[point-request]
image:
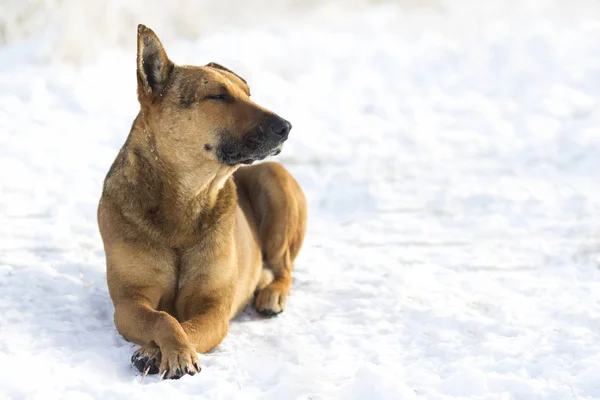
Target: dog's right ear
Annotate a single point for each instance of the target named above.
(153, 66)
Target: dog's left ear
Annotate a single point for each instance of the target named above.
(222, 68)
(153, 66)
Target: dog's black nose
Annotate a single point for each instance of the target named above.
(280, 127)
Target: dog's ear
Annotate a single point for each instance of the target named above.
(222, 68)
(153, 66)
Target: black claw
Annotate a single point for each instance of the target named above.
(177, 374)
(268, 312)
(197, 366)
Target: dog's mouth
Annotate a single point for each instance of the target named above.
(247, 151)
(250, 160)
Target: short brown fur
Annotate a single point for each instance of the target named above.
(190, 236)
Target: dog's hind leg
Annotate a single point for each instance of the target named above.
(279, 211)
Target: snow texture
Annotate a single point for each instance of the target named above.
(451, 158)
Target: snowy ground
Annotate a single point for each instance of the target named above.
(451, 158)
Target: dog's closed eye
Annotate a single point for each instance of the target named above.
(221, 97)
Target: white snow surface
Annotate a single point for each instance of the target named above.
(451, 159)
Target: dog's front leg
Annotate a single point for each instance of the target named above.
(208, 324)
(142, 280)
(206, 294)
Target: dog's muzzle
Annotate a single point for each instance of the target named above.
(265, 140)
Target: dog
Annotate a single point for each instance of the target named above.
(191, 232)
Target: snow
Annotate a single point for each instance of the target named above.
(449, 154)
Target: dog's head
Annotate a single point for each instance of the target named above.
(201, 114)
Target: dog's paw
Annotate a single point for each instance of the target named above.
(147, 359)
(179, 361)
(270, 301)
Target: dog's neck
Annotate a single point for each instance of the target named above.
(204, 184)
